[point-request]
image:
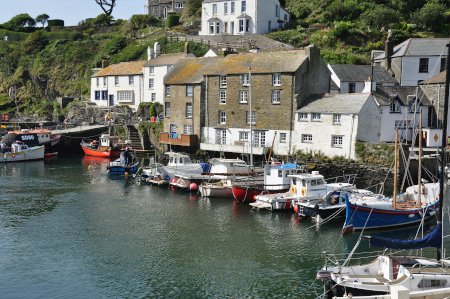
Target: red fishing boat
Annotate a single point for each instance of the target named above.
(107, 147)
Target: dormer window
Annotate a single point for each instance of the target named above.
(245, 79)
(394, 107)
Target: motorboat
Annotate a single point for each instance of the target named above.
(20, 151)
(34, 137)
(127, 164)
(107, 146)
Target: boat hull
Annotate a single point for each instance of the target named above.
(121, 170)
(336, 290)
(107, 153)
(249, 193)
(30, 154)
(215, 191)
(324, 213)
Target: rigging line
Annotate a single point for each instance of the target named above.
(329, 218)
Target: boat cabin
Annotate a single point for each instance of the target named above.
(18, 146)
(32, 137)
(276, 176)
(229, 167)
(107, 140)
(178, 159)
(307, 184)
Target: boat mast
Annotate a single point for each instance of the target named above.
(443, 147)
(420, 161)
(395, 168)
(250, 113)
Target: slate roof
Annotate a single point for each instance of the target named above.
(385, 94)
(189, 70)
(420, 47)
(260, 63)
(361, 73)
(167, 59)
(438, 79)
(337, 103)
(122, 69)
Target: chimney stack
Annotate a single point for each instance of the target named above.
(104, 63)
(157, 48)
(150, 53)
(388, 50)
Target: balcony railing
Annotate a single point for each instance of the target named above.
(178, 139)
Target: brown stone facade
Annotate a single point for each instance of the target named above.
(269, 115)
(179, 98)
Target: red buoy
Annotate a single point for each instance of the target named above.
(193, 187)
(296, 209)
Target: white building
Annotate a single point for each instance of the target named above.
(332, 124)
(155, 69)
(350, 78)
(414, 60)
(118, 84)
(242, 17)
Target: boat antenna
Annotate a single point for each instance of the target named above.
(443, 147)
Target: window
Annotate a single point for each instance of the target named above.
(104, 95)
(336, 118)
(423, 65)
(302, 116)
(125, 96)
(283, 137)
(211, 28)
(245, 79)
(187, 130)
(104, 82)
(214, 9)
(232, 7)
(394, 107)
(243, 6)
(223, 81)
(153, 96)
(167, 109)
(98, 82)
(247, 25)
(222, 96)
(443, 64)
(225, 8)
(306, 138)
(179, 5)
(189, 90)
(276, 96)
(251, 116)
(276, 79)
(243, 96)
(259, 138)
(432, 283)
(280, 173)
(152, 70)
(277, 11)
(241, 25)
(221, 136)
(168, 91)
(243, 136)
(336, 141)
(315, 116)
(97, 95)
(188, 110)
(222, 117)
(285, 17)
(116, 80)
(130, 80)
(151, 83)
(217, 27)
(351, 87)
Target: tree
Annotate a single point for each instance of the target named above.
(42, 19)
(431, 16)
(379, 16)
(106, 5)
(19, 22)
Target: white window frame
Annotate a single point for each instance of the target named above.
(337, 118)
(225, 8)
(251, 115)
(394, 107)
(188, 110)
(214, 9)
(232, 7)
(125, 96)
(221, 136)
(307, 138)
(131, 80)
(153, 97)
(222, 96)
(243, 96)
(222, 117)
(243, 6)
(189, 90)
(98, 82)
(243, 136)
(283, 137)
(337, 141)
(116, 80)
(179, 5)
(167, 90)
(187, 130)
(104, 81)
(276, 79)
(223, 81)
(167, 109)
(152, 70)
(241, 25)
(276, 96)
(245, 79)
(302, 116)
(259, 138)
(151, 83)
(315, 116)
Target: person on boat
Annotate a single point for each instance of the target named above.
(3, 147)
(125, 157)
(93, 144)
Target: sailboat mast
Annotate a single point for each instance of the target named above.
(250, 113)
(395, 168)
(443, 147)
(419, 181)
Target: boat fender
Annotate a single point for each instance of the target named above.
(293, 190)
(303, 192)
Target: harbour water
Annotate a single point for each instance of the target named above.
(67, 230)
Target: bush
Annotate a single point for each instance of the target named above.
(295, 37)
(143, 21)
(20, 23)
(35, 42)
(172, 20)
(431, 16)
(379, 16)
(55, 23)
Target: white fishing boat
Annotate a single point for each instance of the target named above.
(155, 174)
(182, 163)
(19, 151)
(221, 188)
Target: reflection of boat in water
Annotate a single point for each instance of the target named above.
(88, 161)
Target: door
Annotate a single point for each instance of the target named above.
(232, 28)
(111, 100)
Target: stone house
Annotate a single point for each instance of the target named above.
(155, 69)
(350, 78)
(161, 8)
(413, 60)
(242, 17)
(118, 84)
(184, 103)
(258, 93)
(333, 123)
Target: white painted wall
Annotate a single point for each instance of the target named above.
(410, 69)
(100, 87)
(208, 141)
(159, 73)
(322, 132)
(387, 130)
(369, 122)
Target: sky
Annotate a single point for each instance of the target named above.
(71, 11)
